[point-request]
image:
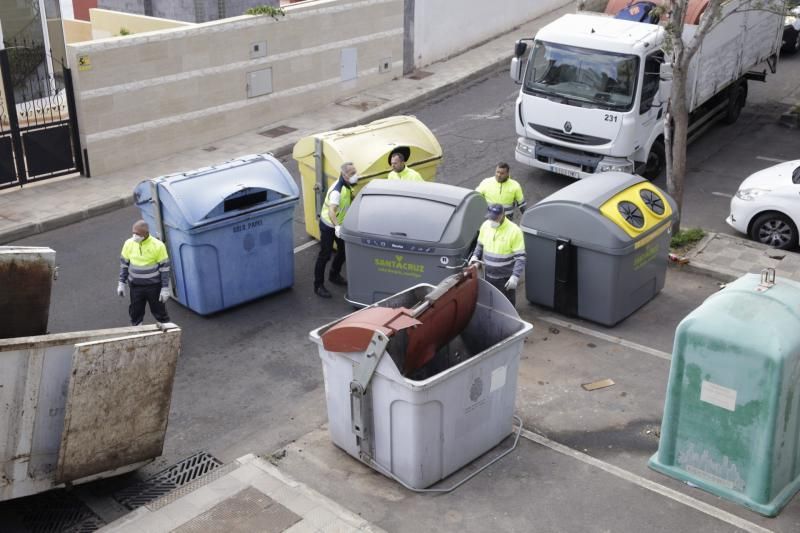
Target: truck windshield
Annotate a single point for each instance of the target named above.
(580, 76)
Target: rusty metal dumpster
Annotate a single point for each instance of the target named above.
(26, 276)
(80, 406)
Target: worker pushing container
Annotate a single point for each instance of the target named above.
(731, 422)
(228, 230)
(598, 248)
(398, 234)
(422, 383)
(370, 147)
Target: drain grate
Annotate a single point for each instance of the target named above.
(419, 74)
(167, 480)
(56, 512)
(277, 131)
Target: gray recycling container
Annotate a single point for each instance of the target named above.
(597, 249)
(423, 431)
(228, 230)
(400, 233)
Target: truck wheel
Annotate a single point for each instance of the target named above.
(736, 99)
(792, 44)
(656, 161)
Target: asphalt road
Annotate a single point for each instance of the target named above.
(249, 380)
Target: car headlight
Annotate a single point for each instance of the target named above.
(615, 165)
(750, 194)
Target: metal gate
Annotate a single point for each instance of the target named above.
(38, 122)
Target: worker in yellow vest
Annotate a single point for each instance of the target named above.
(337, 201)
(504, 190)
(501, 247)
(399, 169)
(144, 269)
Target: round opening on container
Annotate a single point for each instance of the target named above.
(653, 201)
(631, 214)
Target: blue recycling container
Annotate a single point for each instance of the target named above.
(228, 230)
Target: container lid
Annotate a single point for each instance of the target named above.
(765, 321)
(609, 212)
(368, 146)
(415, 211)
(213, 193)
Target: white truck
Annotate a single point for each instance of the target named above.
(594, 87)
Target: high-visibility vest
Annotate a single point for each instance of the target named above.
(144, 263)
(407, 174)
(506, 194)
(345, 199)
(502, 249)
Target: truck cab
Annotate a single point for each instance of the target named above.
(589, 100)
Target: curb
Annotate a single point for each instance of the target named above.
(106, 206)
(34, 228)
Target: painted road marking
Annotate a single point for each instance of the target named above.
(723, 194)
(610, 338)
(305, 246)
(645, 483)
(772, 159)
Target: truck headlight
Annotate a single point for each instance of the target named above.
(749, 195)
(525, 148)
(615, 165)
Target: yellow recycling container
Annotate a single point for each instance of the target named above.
(369, 147)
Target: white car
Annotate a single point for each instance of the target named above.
(767, 206)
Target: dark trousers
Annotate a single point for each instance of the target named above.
(146, 294)
(327, 236)
(500, 285)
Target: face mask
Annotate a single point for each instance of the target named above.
(353, 179)
(137, 238)
(494, 224)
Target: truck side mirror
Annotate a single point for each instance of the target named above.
(519, 48)
(516, 69)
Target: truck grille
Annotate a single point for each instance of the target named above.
(575, 138)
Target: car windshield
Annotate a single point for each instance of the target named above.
(584, 77)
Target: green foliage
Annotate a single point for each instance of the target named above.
(124, 31)
(686, 237)
(272, 11)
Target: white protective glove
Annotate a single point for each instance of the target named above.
(121, 289)
(474, 259)
(163, 296)
(337, 230)
(512, 282)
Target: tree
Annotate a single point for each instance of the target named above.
(676, 123)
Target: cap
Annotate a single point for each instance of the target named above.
(494, 211)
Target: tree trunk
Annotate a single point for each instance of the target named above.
(679, 125)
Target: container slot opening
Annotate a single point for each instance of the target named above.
(244, 201)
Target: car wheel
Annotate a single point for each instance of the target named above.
(656, 161)
(792, 44)
(774, 229)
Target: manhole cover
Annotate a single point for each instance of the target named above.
(277, 131)
(167, 480)
(419, 74)
(56, 512)
(362, 102)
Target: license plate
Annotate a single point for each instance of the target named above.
(564, 171)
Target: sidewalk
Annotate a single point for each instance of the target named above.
(51, 204)
(726, 258)
(248, 495)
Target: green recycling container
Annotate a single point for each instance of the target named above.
(731, 421)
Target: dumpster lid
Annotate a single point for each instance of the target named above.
(590, 212)
(368, 146)
(210, 193)
(416, 211)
